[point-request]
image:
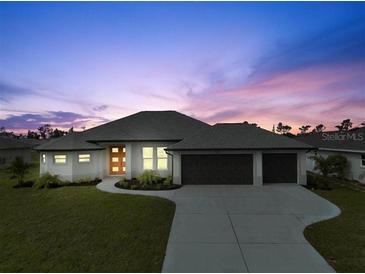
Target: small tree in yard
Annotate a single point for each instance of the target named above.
(334, 164)
(18, 169)
(321, 164)
(338, 164)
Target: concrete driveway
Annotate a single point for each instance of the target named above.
(241, 228)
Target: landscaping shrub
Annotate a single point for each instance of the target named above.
(167, 181)
(24, 184)
(321, 164)
(151, 181)
(317, 181)
(48, 180)
(149, 177)
(18, 168)
(338, 164)
(332, 165)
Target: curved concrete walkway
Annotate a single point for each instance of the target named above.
(241, 228)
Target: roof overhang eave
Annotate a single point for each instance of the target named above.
(250, 149)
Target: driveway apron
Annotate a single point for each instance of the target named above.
(230, 228)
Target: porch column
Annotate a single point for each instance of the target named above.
(177, 168)
(302, 168)
(257, 169)
(128, 161)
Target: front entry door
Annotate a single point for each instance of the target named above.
(117, 160)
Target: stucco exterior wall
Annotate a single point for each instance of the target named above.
(99, 164)
(72, 170)
(137, 160)
(257, 163)
(134, 159)
(354, 170)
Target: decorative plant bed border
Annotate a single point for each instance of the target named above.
(134, 184)
(29, 184)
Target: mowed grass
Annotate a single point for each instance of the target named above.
(80, 229)
(341, 241)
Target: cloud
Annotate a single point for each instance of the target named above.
(59, 119)
(319, 94)
(340, 44)
(9, 91)
(100, 108)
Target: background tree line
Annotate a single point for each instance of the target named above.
(43, 132)
(46, 131)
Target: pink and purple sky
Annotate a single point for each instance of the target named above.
(82, 64)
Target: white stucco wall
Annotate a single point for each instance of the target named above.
(257, 163)
(134, 160)
(354, 170)
(99, 164)
(72, 170)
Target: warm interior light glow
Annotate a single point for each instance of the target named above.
(84, 158)
(60, 159)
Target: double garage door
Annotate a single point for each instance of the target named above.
(236, 169)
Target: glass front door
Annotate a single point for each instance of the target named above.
(117, 160)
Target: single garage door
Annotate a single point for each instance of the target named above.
(217, 169)
(279, 168)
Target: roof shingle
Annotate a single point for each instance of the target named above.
(237, 136)
(338, 141)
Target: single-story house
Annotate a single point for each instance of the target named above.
(350, 144)
(171, 143)
(12, 147)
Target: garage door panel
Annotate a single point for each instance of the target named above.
(279, 168)
(217, 169)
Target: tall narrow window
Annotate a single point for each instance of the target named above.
(363, 160)
(147, 154)
(161, 158)
(84, 158)
(43, 158)
(60, 159)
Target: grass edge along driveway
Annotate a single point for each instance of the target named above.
(81, 229)
(341, 240)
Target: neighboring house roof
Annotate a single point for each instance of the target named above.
(141, 126)
(34, 142)
(237, 136)
(71, 141)
(147, 126)
(353, 140)
(13, 143)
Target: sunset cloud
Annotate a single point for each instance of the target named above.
(299, 63)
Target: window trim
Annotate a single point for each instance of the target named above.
(162, 158)
(78, 158)
(55, 162)
(362, 160)
(145, 158)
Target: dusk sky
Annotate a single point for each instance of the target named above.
(82, 64)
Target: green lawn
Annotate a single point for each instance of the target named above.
(342, 240)
(80, 229)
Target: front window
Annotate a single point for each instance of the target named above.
(161, 158)
(115, 149)
(84, 158)
(363, 160)
(60, 159)
(43, 158)
(147, 154)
